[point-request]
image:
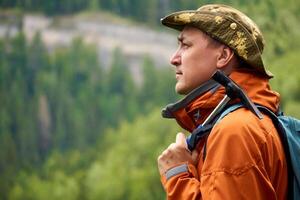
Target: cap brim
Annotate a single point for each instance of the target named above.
(178, 20)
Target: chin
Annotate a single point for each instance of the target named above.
(180, 89)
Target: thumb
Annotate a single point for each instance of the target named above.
(181, 140)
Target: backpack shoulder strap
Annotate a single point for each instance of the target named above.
(229, 110)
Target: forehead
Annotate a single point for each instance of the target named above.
(189, 32)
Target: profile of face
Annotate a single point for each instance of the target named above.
(195, 59)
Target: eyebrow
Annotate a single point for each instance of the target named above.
(180, 38)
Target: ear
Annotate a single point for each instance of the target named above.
(224, 57)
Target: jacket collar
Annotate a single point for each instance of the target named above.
(193, 109)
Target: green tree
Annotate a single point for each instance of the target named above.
(129, 163)
(157, 88)
(120, 91)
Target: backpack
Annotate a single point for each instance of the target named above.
(289, 132)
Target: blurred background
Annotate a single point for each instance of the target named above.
(82, 83)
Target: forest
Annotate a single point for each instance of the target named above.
(72, 129)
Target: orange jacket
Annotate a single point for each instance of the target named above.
(244, 156)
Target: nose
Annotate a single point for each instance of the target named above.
(175, 59)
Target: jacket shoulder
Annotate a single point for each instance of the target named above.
(243, 121)
(237, 141)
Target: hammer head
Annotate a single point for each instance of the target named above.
(234, 91)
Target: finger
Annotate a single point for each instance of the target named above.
(171, 146)
(181, 140)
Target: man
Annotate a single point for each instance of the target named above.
(242, 158)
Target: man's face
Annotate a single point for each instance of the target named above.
(195, 59)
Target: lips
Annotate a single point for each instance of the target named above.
(178, 74)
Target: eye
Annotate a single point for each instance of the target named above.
(184, 45)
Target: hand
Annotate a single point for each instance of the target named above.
(176, 154)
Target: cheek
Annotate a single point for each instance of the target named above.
(190, 67)
(198, 71)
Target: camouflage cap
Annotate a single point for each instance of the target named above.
(227, 25)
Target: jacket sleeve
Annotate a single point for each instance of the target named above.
(184, 185)
(233, 166)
